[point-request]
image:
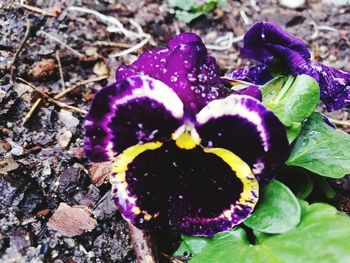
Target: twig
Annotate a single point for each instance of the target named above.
(114, 25)
(79, 84)
(327, 28)
(57, 103)
(225, 42)
(339, 122)
(318, 28)
(142, 243)
(58, 96)
(26, 36)
(48, 12)
(31, 110)
(315, 27)
(62, 43)
(254, 5)
(177, 27)
(138, 27)
(60, 69)
(130, 50)
(112, 44)
(244, 16)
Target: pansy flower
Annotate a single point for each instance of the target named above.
(268, 44)
(185, 152)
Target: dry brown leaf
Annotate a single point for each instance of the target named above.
(7, 165)
(71, 221)
(43, 69)
(101, 69)
(99, 172)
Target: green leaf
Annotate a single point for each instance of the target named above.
(298, 180)
(321, 149)
(293, 131)
(191, 245)
(324, 186)
(292, 99)
(305, 187)
(187, 17)
(323, 235)
(188, 10)
(277, 211)
(186, 5)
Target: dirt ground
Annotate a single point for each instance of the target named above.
(49, 51)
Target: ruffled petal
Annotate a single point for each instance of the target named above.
(257, 75)
(252, 91)
(150, 63)
(266, 41)
(186, 67)
(335, 86)
(244, 126)
(131, 111)
(199, 191)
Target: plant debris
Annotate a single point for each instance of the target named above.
(71, 221)
(44, 68)
(8, 165)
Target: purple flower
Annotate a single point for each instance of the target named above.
(268, 44)
(185, 153)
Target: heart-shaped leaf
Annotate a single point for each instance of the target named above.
(298, 180)
(277, 211)
(323, 235)
(292, 99)
(321, 149)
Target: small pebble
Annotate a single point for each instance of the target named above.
(292, 4)
(64, 138)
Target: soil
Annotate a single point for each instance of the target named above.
(42, 164)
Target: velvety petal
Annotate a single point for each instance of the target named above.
(244, 126)
(266, 41)
(257, 75)
(136, 110)
(252, 91)
(151, 63)
(335, 86)
(199, 191)
(186, 67)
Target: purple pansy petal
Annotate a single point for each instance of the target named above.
(137, 187)
(257, 75)
(200, 192)
(252, 91)
(219, 193)
(244, 126)
(150, 63)
(265, 42)
(131, 111)
(335, 86)
(182, 39)
(186, 67)
(153, 62)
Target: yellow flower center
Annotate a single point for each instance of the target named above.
(186, 137)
